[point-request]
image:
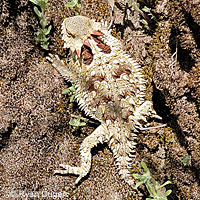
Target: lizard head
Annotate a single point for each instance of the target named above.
(76, 30)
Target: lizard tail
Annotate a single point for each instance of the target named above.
(123, 151)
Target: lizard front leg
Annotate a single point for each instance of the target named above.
(100, 135)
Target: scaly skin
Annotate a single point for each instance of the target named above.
(110, 88)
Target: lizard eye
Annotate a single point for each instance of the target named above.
(70, 35)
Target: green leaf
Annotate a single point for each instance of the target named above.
(144, 166)
(39, 33)
(43, 23)
(79, 118)
(37, 38)
(71, 92)
(186, 159)
(45, 46)
(36, 2)
(45, 39)
(70, 4)
(137, 176)
(82, 124)
(151, 189)
(168, 193)
(72, 88)
(146, 9)
(47, 30)
(43, 4)
(144, 22)
(78, 5)
(163, 185)
(38, 13)
(76, 122)
(138, 184)
(72, 99)
(65, 91)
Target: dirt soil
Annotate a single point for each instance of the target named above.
(35, 135)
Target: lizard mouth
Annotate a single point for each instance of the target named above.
(86, 55)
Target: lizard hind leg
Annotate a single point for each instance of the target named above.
(98, 136)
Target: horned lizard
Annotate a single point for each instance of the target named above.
(111, 88)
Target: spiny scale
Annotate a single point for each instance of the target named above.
(110, 88)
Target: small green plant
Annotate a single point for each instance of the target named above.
(74, 3)
(146, 14)
(41, 35)
(151, 184)
(186, 160)
(76, 123)
(71, 92)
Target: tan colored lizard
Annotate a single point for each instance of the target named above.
(111, 88)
